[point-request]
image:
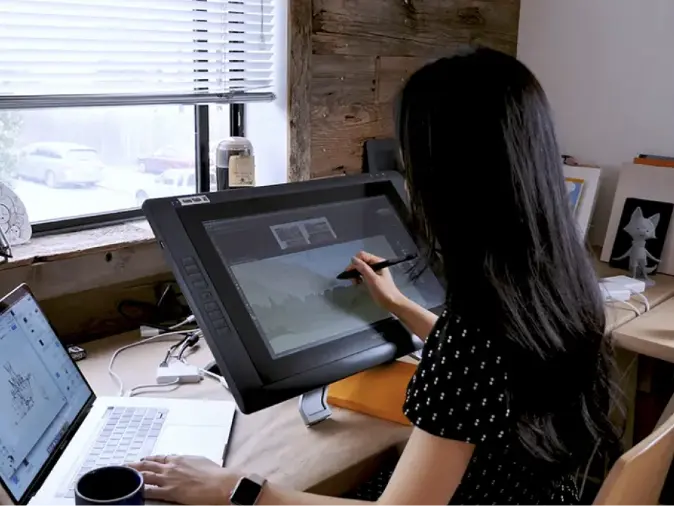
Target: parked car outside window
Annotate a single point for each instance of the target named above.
(60, 164)
(170, 183)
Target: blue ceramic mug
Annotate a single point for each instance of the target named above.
(110, 485)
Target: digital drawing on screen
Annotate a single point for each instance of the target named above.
(297, 300)
(303, 233)
(28, 389)
(20, 391)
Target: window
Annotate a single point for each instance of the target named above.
(99, 98)
(87, 161)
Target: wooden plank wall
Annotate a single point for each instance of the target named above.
(362, 51)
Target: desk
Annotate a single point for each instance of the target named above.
(618, 315)
(651, 334)
(273, 443)
(333, 455)
(647, 335)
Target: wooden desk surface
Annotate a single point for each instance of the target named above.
(618, 315)
(651, 334)
(273, 443)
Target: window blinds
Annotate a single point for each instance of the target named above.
(119, 52)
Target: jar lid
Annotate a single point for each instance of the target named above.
(235, 142)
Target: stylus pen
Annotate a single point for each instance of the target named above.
(353, 273)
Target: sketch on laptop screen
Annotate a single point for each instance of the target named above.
(41, 393)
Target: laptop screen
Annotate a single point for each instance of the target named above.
(41, 392)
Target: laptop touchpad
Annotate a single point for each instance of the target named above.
(206, 442)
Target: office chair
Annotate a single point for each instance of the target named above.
(639, 475)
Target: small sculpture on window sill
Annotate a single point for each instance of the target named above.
(15, 226)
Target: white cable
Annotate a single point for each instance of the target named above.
(186, 321)
(626, 304)
(153, 388)
(214, 376)
(114, 375)
(587, 469)
(596, 446)
(628, 369)
(642, 298)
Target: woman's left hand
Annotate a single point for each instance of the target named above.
(185, 480)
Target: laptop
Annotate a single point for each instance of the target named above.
(53, 428)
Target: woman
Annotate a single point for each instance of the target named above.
(511, 396)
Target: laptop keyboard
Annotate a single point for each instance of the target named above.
(128, 435)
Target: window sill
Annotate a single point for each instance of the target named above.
(74, 262)
(56, 247)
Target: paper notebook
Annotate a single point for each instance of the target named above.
(378, 392)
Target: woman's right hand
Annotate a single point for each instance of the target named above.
(380, 284)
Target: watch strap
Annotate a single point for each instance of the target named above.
(256, 478)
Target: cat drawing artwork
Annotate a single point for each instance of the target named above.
(641, 229)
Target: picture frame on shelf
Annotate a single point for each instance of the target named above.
(583, 189)
(641, 236)
(574, 189)
(647, 183)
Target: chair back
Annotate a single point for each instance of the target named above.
(639, 475)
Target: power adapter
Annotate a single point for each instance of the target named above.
(631, 284)
(614, 291)
(178, 372)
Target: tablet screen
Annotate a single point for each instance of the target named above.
(285, 266)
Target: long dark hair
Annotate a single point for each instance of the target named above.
(486, 185)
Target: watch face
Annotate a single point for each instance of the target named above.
(246, 492)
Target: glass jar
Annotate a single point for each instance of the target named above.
(232, 146)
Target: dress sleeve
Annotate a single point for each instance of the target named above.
(459, 390)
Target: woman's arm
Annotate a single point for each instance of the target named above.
(418, 320)
(429, 471)
(386, 294)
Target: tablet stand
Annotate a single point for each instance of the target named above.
(213, 367)
(313, 405)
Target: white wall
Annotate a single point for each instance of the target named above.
(608, 69)
(267, 123)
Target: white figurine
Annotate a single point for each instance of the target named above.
(640, 230)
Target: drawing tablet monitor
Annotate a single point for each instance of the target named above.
(259, 269)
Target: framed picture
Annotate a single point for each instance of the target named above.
(574, 188)
(582, 193)
(641, 236)
(648, 183)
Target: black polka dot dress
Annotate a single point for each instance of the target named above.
(460, 392)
